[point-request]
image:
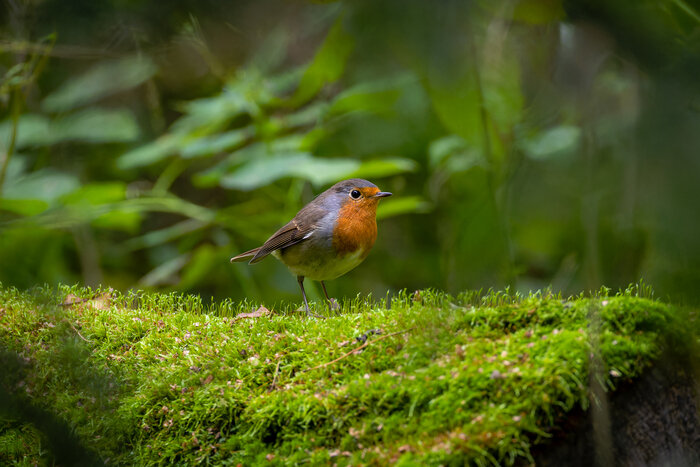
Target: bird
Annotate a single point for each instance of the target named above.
(328, 237)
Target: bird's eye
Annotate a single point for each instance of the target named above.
(354, 194)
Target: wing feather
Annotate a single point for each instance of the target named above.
(295, 231)
(289, 235)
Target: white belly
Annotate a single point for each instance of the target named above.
(316, 264)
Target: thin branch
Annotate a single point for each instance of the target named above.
(273, 386)
(357, 349)
(76, 331)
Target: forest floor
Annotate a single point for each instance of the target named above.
(97, 376)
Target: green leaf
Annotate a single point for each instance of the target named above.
(500, 82)
(103, 80)
(214, 144)
(458, 107)
(32, 130)
(23, 207)
(46, 185)
(454, 154)
(263, 171)
(203, 261)
(166, 272)
(539, 11)
(164, 235)
(152, 152)
(96, 193)
(384, 167)
(95, 126)
(90, 126)
(444, 147)
(119, 219)
(285, 145)
(327, 65)
(555, 142)
(245, 94)
(170, 204)
(374, 98)
(402, 205)
(323, 171)
(308, 115)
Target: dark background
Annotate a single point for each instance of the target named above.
(528, 143)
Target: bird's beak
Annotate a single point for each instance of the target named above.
(382, 194)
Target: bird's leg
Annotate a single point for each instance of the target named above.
(332, 302)
(300, 280)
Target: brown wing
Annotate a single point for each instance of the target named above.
(295, 231)
(245, 256)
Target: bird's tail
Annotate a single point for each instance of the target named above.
(245, 256)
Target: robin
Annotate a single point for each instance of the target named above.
(328, 237)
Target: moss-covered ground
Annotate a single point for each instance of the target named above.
(424, 378)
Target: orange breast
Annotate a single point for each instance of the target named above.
(356, 228)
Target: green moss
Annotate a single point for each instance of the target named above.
(161, 379)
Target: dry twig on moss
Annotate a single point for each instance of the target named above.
(357, 349)
(273, 386)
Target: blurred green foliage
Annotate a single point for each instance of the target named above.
(529, 143)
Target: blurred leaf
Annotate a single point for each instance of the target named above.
(308, 115)
(96, 193)
(293, 143)
(204, 259)
(262, 171)
(152, 152)
(384, 167)
(158, 237)
(171, 204)
(214, 144)
(402, 205)
(106, 193)
(324, 171)
(32, 256)
(554, 142)
(23, 207)
(539, 11)
(374, 98)
(46, 185)
(118, 219)
(454, 154)
(444, 147)
(165, 273)
(465, 160)
(500, 83)
(285, 82)
(71, 215)
(104, 79)
(458, 107)
(272, 51)
(32, 130)
(91, 125)
(17, 166)
(244, 94)
(212, 176)
(327, 65)
(95, 126)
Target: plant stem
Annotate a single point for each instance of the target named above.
(13, 136)
(494, 175)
